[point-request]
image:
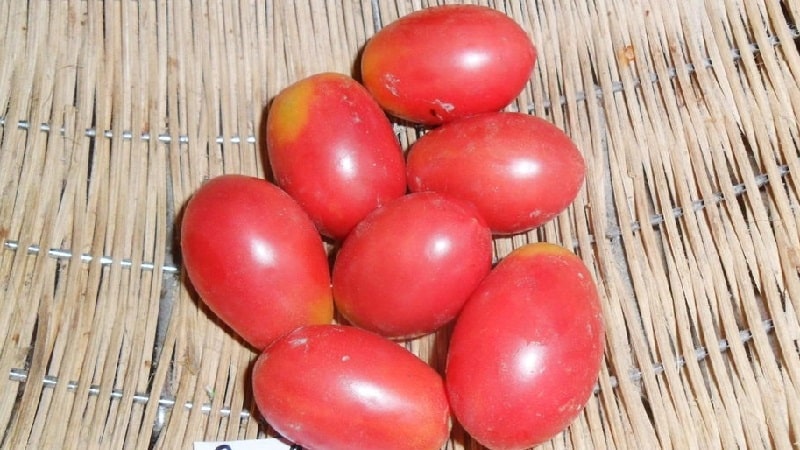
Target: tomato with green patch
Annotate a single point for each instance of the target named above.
(332, 148)
(526, 350)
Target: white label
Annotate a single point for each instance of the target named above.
(251, 444)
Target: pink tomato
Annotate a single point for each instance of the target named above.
(450, 61)
(408, 268)
(520, 171)
(526, 350)
(255, 258)
(341, 388)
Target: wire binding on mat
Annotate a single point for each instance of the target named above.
(616, 87)
(701, 353)
(49, 381)
(655, 220)
(164, 403)
(127, 135)
(59, 253)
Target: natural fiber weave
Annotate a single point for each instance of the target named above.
(113, 113)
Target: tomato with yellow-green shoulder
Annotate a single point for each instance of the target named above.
(333, 149)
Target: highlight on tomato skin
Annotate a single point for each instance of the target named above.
(342, 388)
(520, 171)
(333, 149)
(443, 62)
(255, 258)
(526, 350)
(408, 267)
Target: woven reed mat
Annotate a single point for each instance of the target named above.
(112, 114)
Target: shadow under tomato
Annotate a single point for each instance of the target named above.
(262, 141)
(437, 359)
(250, 406)
(355, 67)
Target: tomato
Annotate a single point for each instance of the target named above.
(450, 61)
(519, 170)
(339, 387)
(526, 350)
(408, 268)
(332, 148)
(255, 258)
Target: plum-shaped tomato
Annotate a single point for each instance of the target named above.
(520, 171)
(448, 61)
(408, 268)
(526, 350)
(332, 148)
(332, 387)
(255, 258)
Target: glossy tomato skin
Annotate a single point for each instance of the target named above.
(526, 350)
(332, 148)
(255, 258)
(520, 171)
(408, 268)
(332, 387)
(450, 61)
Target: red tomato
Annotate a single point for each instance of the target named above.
(408, 268)
(255, 258)
(444, 62)
(519, 170)
(338, 387)
(526, 350)
(332, 148)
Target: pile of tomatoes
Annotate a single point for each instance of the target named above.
(413, 239)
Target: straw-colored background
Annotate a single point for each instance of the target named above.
(112, 114)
